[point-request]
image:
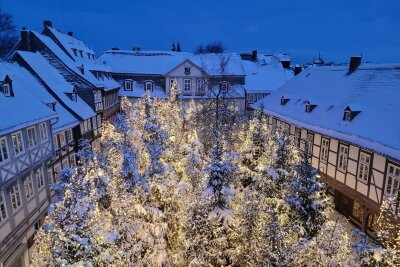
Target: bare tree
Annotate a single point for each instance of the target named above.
(215, 47)
(8, 33)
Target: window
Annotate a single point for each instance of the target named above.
(75, 52)
(15, 196)
(363, 167)
(17, 142)
(62, 139)
(99, 121)
(39, 177)
(149, 86)
(274, 123)
(3, 150)
(55, 141)
(69, 135)
(309, 143)
(82, 127)
(224, 87)
(128, 85)
(94, 122)
(173, 84)
(3, 210)
(392, 180)
(187, 85)
(6, 89)
(65, 163)
(28, 185)
(32, 142)
(72, 160)
(57, 169)
(297, 137)
(251, 98)
(98, 100)
(347, 115)
(43, 132)
(324, 150)
(88, 55)
(343, 155)
(81, 53)
(89, 124)
(50, 173)
(201, 88)
(73, 97)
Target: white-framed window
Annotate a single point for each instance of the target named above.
(72, 160)
(98, 121)
(309, 143)
(148, 86)
(201, 85)
(6, 89)
(43, 132)
(28, 186)
(68, 133)
(32, 141)
(65, 163)
(82, 127)
(251, 98)
(3, 150)
(347, 115)
(89, 124)
(75, 52)
(18, 143)
(342, 159)
(128, 85)
(55, 141)
(73, 97)
(3, 209)
(392, 180)
(15, 196)
(50, 174)
(98, 100)
(324, 150)
(187, 85)
(62, 139)
(57, 170)
(364, 166)
(224, 87)
(39, 177)
(94, 122)
(173, 84)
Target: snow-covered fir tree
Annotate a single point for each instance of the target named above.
(307, 198)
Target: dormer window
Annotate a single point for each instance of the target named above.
(284, 100)
(5, 88)
(88, 55)
(75, 52)
(74, 96)
(81, 53)
(82, 69)
(128, 85)
(309, 106)
(349, 114)
(223, 86)
(52, 106)
(148, 86)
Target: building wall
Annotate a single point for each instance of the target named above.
(18, 227)
(358, 199)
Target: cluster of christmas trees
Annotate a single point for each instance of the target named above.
(177, 186)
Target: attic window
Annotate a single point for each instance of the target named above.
(88, 55)
(309, 107)
(82, 69)
(75, 53)
(74, 95)
(284, 100)
(52, 106)
(5, 88)
(223, 87)
(128, 85)
(149, 86)
(349, 114)
(81, 53)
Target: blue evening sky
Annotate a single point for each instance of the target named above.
(337, 29)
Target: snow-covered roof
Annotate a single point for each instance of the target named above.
(266, 74)
(57, 83)
(161, 62)
(374, 90)
(108, 83)
(21, 110)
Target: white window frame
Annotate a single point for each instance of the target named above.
(62, 139)
(50, 174)
(364, 166)
(148, 86)
(4, 153)
(15, 196)
(6, 89)
(32, 138)
(343, 156)
(201, 85)
(392, 180)
(69, 137)
(43, 132)
(187, 85)
(173, 83)
(39, 177)
(347, 115)
(18, 140)
(310, 142)
(28, 187)
(128, 85)
(72, 160)
(65, 163)
(324, 150)
(297, 137)
(3, 208)
(57, 170)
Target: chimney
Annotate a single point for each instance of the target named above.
(47, 23)
(70, 33)
(354, 63)
(254, 55)
(297, 69)
(25, 40)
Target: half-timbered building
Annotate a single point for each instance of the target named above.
(25, 147)
(348, 117)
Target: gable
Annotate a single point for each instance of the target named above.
(182, 68)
